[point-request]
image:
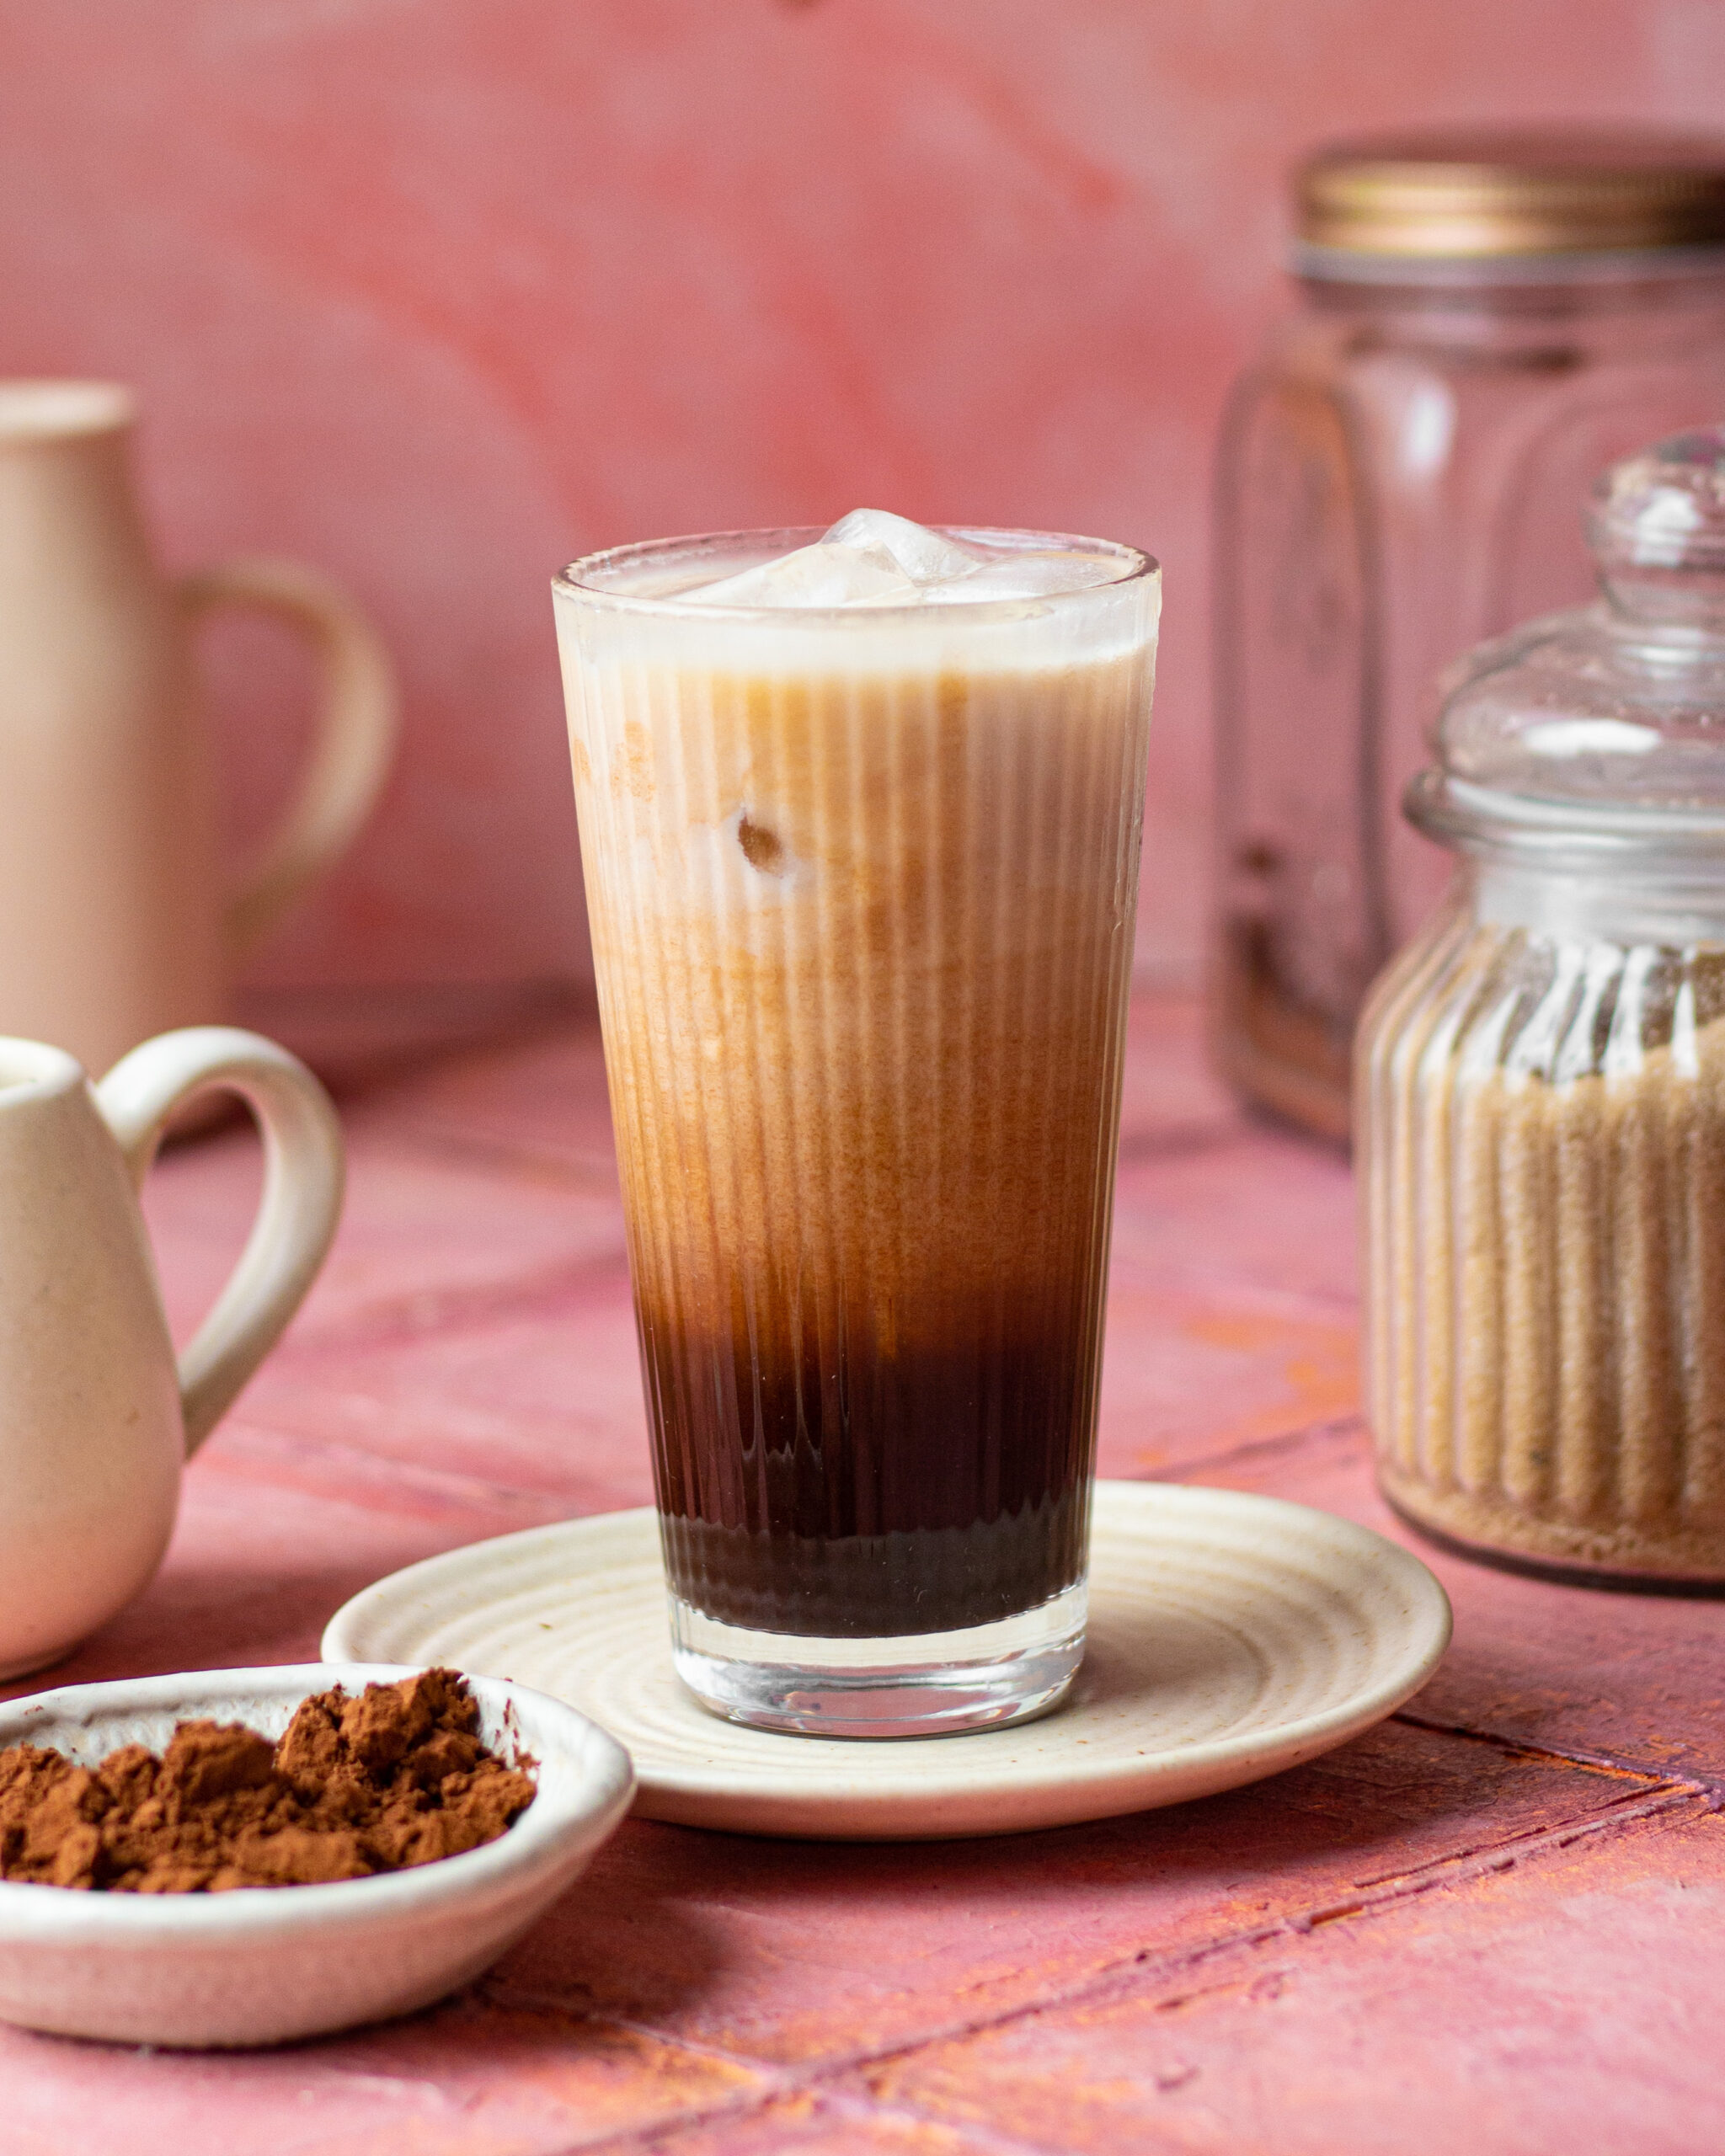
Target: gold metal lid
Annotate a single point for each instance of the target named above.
(1480, 193)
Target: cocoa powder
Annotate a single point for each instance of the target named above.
(396, 1777)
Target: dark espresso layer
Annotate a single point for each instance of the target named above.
(869, 1490)
(931, 1579)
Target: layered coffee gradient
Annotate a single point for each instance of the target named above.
(861, 867)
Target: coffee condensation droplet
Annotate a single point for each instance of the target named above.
(764, 847)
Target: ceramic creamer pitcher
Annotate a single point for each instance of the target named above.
(95, 1419)
(114, 925)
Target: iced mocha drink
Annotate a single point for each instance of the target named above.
(860, 822)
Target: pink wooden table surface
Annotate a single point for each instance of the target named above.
(1495, 1923)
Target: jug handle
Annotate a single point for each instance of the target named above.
(303, 1179)
(356, 724)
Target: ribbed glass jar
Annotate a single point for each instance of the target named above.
(1539, 1077)
(1542, 1100)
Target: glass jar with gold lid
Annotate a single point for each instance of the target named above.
(1486, 320)
(1541, 1075)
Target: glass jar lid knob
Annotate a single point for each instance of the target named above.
(1598, 734)
(1656, 527)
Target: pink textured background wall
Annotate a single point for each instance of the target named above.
(441, 292)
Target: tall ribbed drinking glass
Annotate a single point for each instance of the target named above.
(861, 883)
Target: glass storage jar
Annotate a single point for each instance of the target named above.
(1541, 1076)
(1486, 322)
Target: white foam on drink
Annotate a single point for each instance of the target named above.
(873, 558)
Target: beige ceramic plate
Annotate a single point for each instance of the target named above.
(1231, 1636)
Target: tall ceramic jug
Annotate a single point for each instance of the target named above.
(114, 925)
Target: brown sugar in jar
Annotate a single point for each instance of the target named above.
(1545, 1173)
(393, 1778)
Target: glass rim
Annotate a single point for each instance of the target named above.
(1140, 569)
(1313, 263)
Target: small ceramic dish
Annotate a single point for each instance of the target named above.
(263, 1965)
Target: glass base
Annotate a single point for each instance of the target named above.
(919, 1684)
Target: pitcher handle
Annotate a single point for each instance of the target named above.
(303, 1178)
(357, 714)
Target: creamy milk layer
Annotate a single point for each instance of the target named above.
(862, 930)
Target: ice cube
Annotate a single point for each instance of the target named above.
(813, 576)
(924, 555)
(873, 558)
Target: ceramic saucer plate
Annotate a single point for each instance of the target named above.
(1231, 1636)
(262, 1964)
